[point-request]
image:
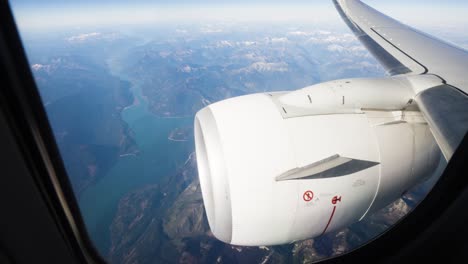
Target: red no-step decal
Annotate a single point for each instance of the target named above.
(308, 195)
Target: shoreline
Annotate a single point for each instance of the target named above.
(128, 154)
(177, 140)
(171, 117)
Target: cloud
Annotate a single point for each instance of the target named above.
(253, 56)
(317, 33)
(341, 48)
(211, 30)
(357, 48)
(247, 43)
(38, 66)
(84, 37)
(333, 38)
(224, 44)
(336, 48)
(299, 33)
(47, 68)
(367, 64)
(265, 67)
(279, 40)
(323, 32)
(165, 54)
(186, 69)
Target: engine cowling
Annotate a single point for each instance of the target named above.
(280, 167)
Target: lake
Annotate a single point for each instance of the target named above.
(159, 157)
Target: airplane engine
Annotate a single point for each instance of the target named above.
(275, 168)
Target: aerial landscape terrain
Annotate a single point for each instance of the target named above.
(121, 103)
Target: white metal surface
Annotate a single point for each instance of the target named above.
(394, 43)
(244, 144)
(418, 51)
(349, 96)
(364, 141)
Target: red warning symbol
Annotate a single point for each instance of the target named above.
(336, 199)
(308, 195)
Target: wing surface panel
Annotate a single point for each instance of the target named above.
(405, 50)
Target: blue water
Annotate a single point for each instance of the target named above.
(158, 158)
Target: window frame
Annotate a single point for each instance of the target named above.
(21, 102)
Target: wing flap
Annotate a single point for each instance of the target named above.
(445, 109)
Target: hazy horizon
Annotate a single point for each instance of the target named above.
(52, 14)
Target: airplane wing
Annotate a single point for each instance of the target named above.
(404, 50)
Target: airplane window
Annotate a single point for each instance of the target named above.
(163, 175)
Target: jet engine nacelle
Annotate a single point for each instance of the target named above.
(281, 167)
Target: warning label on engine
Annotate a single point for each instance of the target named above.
(336, 199)
(308, 196)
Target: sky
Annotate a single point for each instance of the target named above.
(46, 14)
(35, 2)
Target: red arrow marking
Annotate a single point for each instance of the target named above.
(308, 195)
(329, 220)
